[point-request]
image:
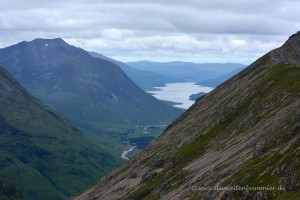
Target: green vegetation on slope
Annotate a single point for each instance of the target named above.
(42, 154)
(8, 190)
(278, 167)
(277, 164)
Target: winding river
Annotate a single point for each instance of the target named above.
(126, 152)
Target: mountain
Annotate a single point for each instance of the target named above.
(187, 71)
(92, 92)
(145, 79)
(42, 155)
(245, 133)
(217, 81)
(194, 97)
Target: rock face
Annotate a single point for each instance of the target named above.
(289, 53)
(244, 133)
(42, 155)
(91, 92)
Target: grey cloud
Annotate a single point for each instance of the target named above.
(180, 29)
(231, 16)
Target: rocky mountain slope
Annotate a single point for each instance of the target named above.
(42, 155)
(91, 92)
(244, 133)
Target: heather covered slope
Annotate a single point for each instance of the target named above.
(246, 132)
(91, 92)
(42, 155)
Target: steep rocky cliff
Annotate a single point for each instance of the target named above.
(244, 133)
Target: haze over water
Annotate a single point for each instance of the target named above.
(179, 93)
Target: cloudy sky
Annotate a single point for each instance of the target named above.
(159, 30)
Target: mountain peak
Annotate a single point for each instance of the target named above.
(293, 40)
(296, 35)
(48, 42)
(288, 53)
(42, 42)
(44, 39)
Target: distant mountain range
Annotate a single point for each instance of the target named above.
(92, 92)
(148, 74)
(187, 71)
(240, 141)
(42, 155)
(220, 79)
(145, 79)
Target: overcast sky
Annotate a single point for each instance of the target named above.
(159, 30)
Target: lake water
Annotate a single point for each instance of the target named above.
(179, 93)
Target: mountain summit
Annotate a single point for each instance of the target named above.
(289, 52)
(245, 133)
(92, 92)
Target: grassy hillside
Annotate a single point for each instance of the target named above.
(245, 133)
(41, 153)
